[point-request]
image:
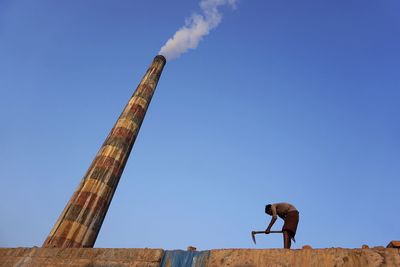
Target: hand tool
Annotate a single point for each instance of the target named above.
(253, 234)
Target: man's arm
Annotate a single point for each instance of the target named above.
(273, 219)
(270, 225)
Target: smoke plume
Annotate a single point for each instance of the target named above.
(195, 28)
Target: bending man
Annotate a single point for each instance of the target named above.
(289, 214)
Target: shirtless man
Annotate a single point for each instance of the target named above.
(289, 214)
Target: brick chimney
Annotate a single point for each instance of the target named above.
(80, 222)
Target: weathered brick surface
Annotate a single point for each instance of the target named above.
(394, 244)
(97, 257)
(304, 257)
(80, 257)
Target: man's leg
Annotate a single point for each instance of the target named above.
(287, 242)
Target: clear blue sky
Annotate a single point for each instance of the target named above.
(291, 100)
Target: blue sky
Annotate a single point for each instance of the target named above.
(292, 100)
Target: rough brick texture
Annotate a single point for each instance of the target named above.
(80, 257)
(304, 257)
(101, 257)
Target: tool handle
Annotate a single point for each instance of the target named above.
(271, 232)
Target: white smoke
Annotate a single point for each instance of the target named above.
(197, 26)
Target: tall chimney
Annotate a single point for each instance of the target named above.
(80, 222)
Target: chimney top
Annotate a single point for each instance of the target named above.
(161, 57)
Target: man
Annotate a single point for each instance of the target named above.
(289, 214)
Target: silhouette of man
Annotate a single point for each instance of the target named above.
(290, 216)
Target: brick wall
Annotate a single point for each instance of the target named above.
(96, 257)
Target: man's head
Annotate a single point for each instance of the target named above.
(268, 209)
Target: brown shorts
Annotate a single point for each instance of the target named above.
(291, 222)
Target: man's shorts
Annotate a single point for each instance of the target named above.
(291, 222)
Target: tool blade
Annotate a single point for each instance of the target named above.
(253, 236)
